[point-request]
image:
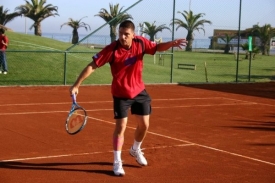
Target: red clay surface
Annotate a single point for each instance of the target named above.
(198, 133)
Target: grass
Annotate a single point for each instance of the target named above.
(36, 60)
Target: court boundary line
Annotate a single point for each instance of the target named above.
(187, 143)
(85, 154)
(180, 140)
(153, 133)
(199, 145)
(168, 137)
(109, 101)
(242, 102)
(155, 107)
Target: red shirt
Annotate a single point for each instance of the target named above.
(126, 65)
(5, 39)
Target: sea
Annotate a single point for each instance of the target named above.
(105, 39)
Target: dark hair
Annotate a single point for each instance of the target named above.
(2, 31)
(127, 24)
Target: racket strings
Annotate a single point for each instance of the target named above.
(76, 120)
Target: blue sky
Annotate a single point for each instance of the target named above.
(223, 14)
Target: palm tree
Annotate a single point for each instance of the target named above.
(192, 23)
(264, 33)
(37, 11)
(107, 16)
(227, 38)
(151, 29)
(76, 24)
(5, 17)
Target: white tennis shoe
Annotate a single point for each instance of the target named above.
(118, 169)
(138, 154)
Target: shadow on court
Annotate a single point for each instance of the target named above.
(62, 167)
(256, 125)
(265, 90)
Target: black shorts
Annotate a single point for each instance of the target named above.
(140, 105)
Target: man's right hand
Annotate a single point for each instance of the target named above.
(73, 90)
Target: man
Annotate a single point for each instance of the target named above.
(3, 46)
(125, 57)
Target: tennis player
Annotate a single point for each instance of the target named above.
(125, 57)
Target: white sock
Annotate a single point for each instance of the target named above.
(136, 145)
(117, 156)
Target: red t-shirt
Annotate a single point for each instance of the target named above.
(5, 39)
(126, 65)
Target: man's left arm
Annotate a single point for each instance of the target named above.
(175, 43)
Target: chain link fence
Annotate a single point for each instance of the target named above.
(207, 62)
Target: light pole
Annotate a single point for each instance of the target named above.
(25, 24)
(239, 37)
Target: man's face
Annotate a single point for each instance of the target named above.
(126, 36)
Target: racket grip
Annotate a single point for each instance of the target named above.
(74, 98)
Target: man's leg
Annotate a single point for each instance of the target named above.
(142, 127)
(5, 64)
(1, 61)
(118, 140)
(140, 133)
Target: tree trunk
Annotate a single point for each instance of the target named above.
(75, 36)
(37, 29)
(246, 55)
(265, 48)
(190, 39)
(226, 49)
(113, 33)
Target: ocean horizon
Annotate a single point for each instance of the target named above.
(105, 39)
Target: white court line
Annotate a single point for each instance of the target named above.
(47, 112)
(188, 142)
(67, 103)
(204, 105)
(156, 134)
(92, 102)
(57, 103)
(247, 101)
(84, 154)
(176, 139)
(109, 101)
(154, 107)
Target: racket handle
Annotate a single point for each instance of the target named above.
(74, 98)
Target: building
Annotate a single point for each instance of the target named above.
(216, 41)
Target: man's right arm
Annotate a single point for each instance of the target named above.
(87, 71)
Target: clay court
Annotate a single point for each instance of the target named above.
(198, 133)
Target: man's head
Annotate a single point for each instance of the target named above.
(2, 31)
(126, 33)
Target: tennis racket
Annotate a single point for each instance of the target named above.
(76, 119)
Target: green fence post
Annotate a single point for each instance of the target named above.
(65, 67)
(173, 34)
(239, 37)
(250, 54)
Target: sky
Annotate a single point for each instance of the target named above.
(224, 14)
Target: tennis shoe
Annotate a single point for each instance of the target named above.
(118, 169)
(5, 72)
(0, 72)
(138, 154)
